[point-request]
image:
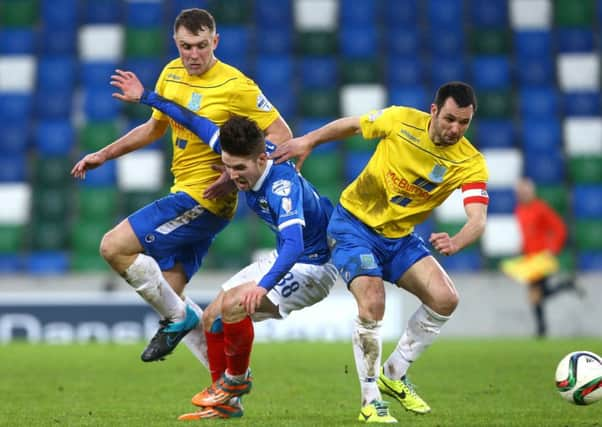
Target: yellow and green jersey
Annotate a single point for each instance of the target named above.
(218, 94)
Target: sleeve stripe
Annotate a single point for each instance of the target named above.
(213, 139)
(473, 185)
(476, 199)
(291, 222)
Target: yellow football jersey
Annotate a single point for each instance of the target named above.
(218, 94)
(408, 175)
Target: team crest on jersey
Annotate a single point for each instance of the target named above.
(282, 187)
(367, 261)
(263, 204)
(263, 103)
(437, 173)
(195, 101)
(287, 205)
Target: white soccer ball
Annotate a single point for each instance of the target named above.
(579, 377)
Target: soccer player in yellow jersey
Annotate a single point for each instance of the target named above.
(420, 160)
(158, 248)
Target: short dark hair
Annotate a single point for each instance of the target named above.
(461, 92)
(241, 136)
(194, 20)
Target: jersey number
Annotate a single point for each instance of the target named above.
(288, 286)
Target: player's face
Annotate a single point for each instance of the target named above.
(196, 50)
(449, 123)
(244, 171)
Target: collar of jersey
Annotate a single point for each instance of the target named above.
(263, 176)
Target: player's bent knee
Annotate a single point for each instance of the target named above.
(108, 247)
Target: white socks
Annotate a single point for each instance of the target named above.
(367, 349)
(145, 276)
(423, 327)
(195, 339)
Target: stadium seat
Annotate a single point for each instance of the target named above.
(443, 70)
(273, 13)
(17, 41)
(545, 167)
(58, 41)
(556, 196)
(305, 125)
(582, 135)
(315, 15)
(54, 137)
(100, 42)
(146, 14)
(15, 199)
(530, 14)
(11, 239)
(588, 234)
(319, 103)
(51, 171)
(273, 72)
(321, 43)
(86, 236)
(18, 74)
(99, 105)
(357, 143)
(488, 14)
(414, 96)
(355, 163)
(15, 107)
(88, 263)
(47, 263)
(501, 200)
(538, 102)
(53, 204)
(96, 204)
(134, 200)
(569, 13)
(59, 72)
(575, 40)
(357, 14)
(49, 235)
(494, 133)
(15, 137)
(358, 71)
(578, 71)
(234, 46)
(230, 248)
(581, 103)
(403, 42)
(284, 100)
(146, 42)
(536, 71)
(13, 167)
(532, 43)
(501, 236)
(97, 74)
(274, 41)
(587, 201)
(235, 12)
(179, 5)
(104, 176)
(318, 72)
(400, 14)
(495, 104)
(18, 13)
(445, 13)
(541, 135)
(590, 261)
(453, 227)
(462, 262)
(315, 171)
(147, 70)
(359, 99)
(446, 42)
(489, 41)
(451, 210)
(142, 170)
(404, 71)
(358, 42)
(10, 263)
(491, 72)
(95, 135)
(585, 169)
(60, 13)
(103, 12)
(505, 166)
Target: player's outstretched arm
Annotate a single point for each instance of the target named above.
(471, 231)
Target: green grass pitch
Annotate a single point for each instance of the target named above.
(467, 383)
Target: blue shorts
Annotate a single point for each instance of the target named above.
(176, 229)
(359, 251)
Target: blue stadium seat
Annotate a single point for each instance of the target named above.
(574, 40)
(425, 229)
(284, 100)
(58, 41)
(444, 70)
(305, 125)
(445, 13)
(404, 71)
(17, 41)
(105, 176)
(53, 103)
(99, 105)
(494, 133)
(501, 200)
(234, 47)
(274, 14)
(144, 14)
(538, 102)
(147, 69)
(97, 74)
(318, 71)
(60, 13)
(58, 72)
(178, 5)
(404, 42)
(491, 72)
(11, 263)
(13, 167)
(444, 42)
(54, 137)
(103, 12)
(545, 167)
(589, 261)
(489, 14)
(47, 262)
(14, 137)
(587, 201)
(533, 71)
(355, 163)
(581, 103)
(273, 72)
(358, 42)
(274, 40)
(401, 13)
(541, 134)
(414, 96)
(463, 261)
(357, 13)
(533, 44)
(15, 106)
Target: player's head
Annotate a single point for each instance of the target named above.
(525, 190)
(243, 151)
(196, 39)
(451, 112)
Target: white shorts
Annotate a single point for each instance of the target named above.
(302, 286)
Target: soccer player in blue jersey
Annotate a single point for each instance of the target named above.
(296, 275)
(420, 159)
